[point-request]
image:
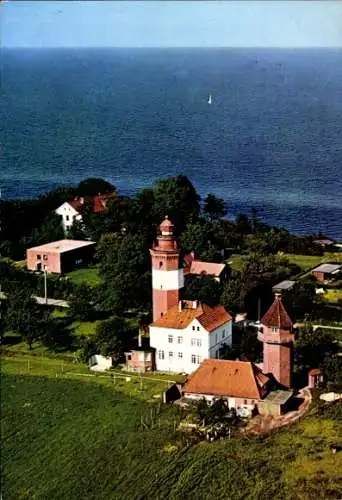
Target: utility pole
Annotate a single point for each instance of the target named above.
(45, 285)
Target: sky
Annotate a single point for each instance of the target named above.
(164, 23)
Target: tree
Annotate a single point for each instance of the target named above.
(177, 198)
(214, 208)
(93, 186)
(332, 369)
(312, 346)
(204, 288)
(50, 230)
(233, 294)
(81, 303)
(25, 316)
(125, 269)
(112, 335)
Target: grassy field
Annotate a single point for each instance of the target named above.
(305, 262)
(68, 436)
(90, 275)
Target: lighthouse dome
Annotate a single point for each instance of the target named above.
(166, 227)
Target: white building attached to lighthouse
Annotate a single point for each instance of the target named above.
(189, 333)
(183, 332)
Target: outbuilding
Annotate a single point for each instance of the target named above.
(60, 256)
(326, 272)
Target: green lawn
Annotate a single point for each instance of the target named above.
(78, 328)
(65, 436)
(90, 275)
(333, 295)
(306, 262)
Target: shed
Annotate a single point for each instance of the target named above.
(275, 403)
(283, 286)
(325, 272)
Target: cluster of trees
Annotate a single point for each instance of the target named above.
(125, 232)
(26, 223)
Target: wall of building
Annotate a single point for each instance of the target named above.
(246, 404)
(68, 214)
(140, 361)
(78, 257)
(278, 361)
(219, 337)
(36, 260)
(320, 276)
(189, 346)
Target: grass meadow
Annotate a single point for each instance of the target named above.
(89, 275)
(70, 435)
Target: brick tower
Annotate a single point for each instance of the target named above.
(167, 274)
(276, 334)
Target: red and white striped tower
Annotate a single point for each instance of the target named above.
(167, 273)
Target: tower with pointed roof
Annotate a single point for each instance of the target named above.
(276, 334)
(167, 273)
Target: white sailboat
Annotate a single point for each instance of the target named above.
(210, 99)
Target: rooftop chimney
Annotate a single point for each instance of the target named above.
(180, 306)
(194, 304)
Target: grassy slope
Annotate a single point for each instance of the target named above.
(68, 438)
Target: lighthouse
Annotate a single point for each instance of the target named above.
(167, 273)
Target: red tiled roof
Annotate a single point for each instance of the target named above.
(219, 377)
(99, 202)
(277, 316)
(209, 317)
(315, 371)
(210, 268)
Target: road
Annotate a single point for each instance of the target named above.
(41, 300)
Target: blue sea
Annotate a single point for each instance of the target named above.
(271, 139)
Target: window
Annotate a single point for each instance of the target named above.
(160, 264)
(179, 340)
(194, 328)
(67, 217)
(161, 355)
(45, 257)
(216, 338)
(170, 355)
(170, 339)
(274, 329)
(195, 359)
(199, 343)
(245, 401)
(161, 287)
(223, 333)
(39, 257)
(198, 328)
(180, 355)
(193, 342)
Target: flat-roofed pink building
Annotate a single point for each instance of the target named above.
(60, 256)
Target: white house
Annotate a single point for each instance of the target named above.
(69, 214)
(187, 334)
(70, 210)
